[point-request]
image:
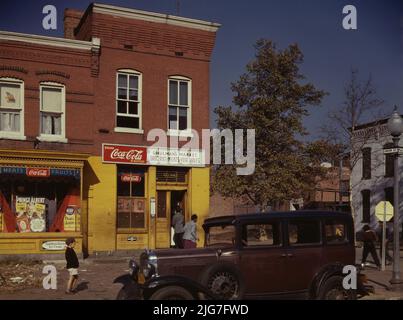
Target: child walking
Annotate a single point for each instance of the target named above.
(72, 265)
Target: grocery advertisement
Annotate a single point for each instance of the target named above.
(30, 214)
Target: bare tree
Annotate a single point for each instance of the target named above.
(360, 104)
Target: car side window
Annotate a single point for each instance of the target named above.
(303, 232)
(335, 232)
(262, 234)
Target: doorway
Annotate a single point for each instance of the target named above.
(166, 204)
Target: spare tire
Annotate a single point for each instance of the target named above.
(224, 280)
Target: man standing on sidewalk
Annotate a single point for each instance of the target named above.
(369, 238)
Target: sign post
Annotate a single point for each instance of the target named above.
(384, 212)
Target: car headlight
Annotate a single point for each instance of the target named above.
(133, 267)
(148, 264)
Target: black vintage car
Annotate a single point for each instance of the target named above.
(281, 254)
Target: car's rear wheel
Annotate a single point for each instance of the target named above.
(333, 289)
(122, 294)
(224, 281)
(172, 293)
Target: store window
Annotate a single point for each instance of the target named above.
(11, 108)
(179, 105)
(52, 106)
(39, 200)
(131, 198)
(128, 101)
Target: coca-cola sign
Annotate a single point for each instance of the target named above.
(124, 154)
(38, 172)
(136, 178)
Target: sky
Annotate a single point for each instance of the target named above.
(330, 51)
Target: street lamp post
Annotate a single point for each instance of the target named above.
(395, 126)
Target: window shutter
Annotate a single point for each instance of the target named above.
(366, 206)
(366, 163)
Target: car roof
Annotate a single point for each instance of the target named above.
(230, 219)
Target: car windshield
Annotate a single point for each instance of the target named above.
(220, 235)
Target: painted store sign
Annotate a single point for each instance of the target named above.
(34, 172)
(124, 154)
(152, 156)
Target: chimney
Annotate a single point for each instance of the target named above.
(72, 18)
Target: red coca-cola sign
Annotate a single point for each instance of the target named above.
(124, 154)
(136, 178)
(38, 172)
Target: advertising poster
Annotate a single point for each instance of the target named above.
(70, 218)
(31, 214)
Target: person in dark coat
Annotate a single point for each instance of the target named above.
(369, 238)
(72, 265)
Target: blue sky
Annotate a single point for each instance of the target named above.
(316, 25)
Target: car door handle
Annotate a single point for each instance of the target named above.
(287, 255)
(284, 255)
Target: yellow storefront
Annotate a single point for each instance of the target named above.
(40, 201)
(130, 202)
(107, 205)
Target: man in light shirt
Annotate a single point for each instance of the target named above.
(190, 233)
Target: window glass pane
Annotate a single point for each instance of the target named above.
(219, 235)
(335, 232)
(10, 95)
(124, 220)
(262, 235)
(137, 220)
(10, 121)
(173, 92)
(127, 122)
(133, 108)
(122, 94)
(366, 163)
(183, 124)
(173, 118)
(52, 99)
(133, 95)
(133, 82)
(122, 106)
(366, 206)
(122, 81)
(304, 232)
(57, 125)
(183, 93)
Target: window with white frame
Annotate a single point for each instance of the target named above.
(179, 104)
(128, 100)
(11, 107)
(52, 107)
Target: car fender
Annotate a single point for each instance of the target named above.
(322, 275)
(154, 284)
(130, 286)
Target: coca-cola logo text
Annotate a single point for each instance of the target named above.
(123, 154)
(34, 172)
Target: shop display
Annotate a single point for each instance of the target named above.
(31, 214)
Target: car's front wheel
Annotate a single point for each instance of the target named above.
(172, 293)
(333, 289)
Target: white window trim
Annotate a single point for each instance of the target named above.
(188, 131)
(53, 137)
(16, 135)
(139, 105)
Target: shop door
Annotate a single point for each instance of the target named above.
(162, 223)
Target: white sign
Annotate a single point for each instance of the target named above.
(175, 157)
(54, 245)
(393, 150)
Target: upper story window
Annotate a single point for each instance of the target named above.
(52, 109)
(128, 101)
(11, 108)
(179, 105)
(389, 162)
(366, 163)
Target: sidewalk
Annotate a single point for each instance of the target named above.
(383, 289)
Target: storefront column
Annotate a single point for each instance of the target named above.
(199, 195)
(151, 193)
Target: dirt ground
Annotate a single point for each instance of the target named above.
(95, 281)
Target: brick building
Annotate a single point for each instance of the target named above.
(75, 113)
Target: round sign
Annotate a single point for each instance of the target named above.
(37, 225)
